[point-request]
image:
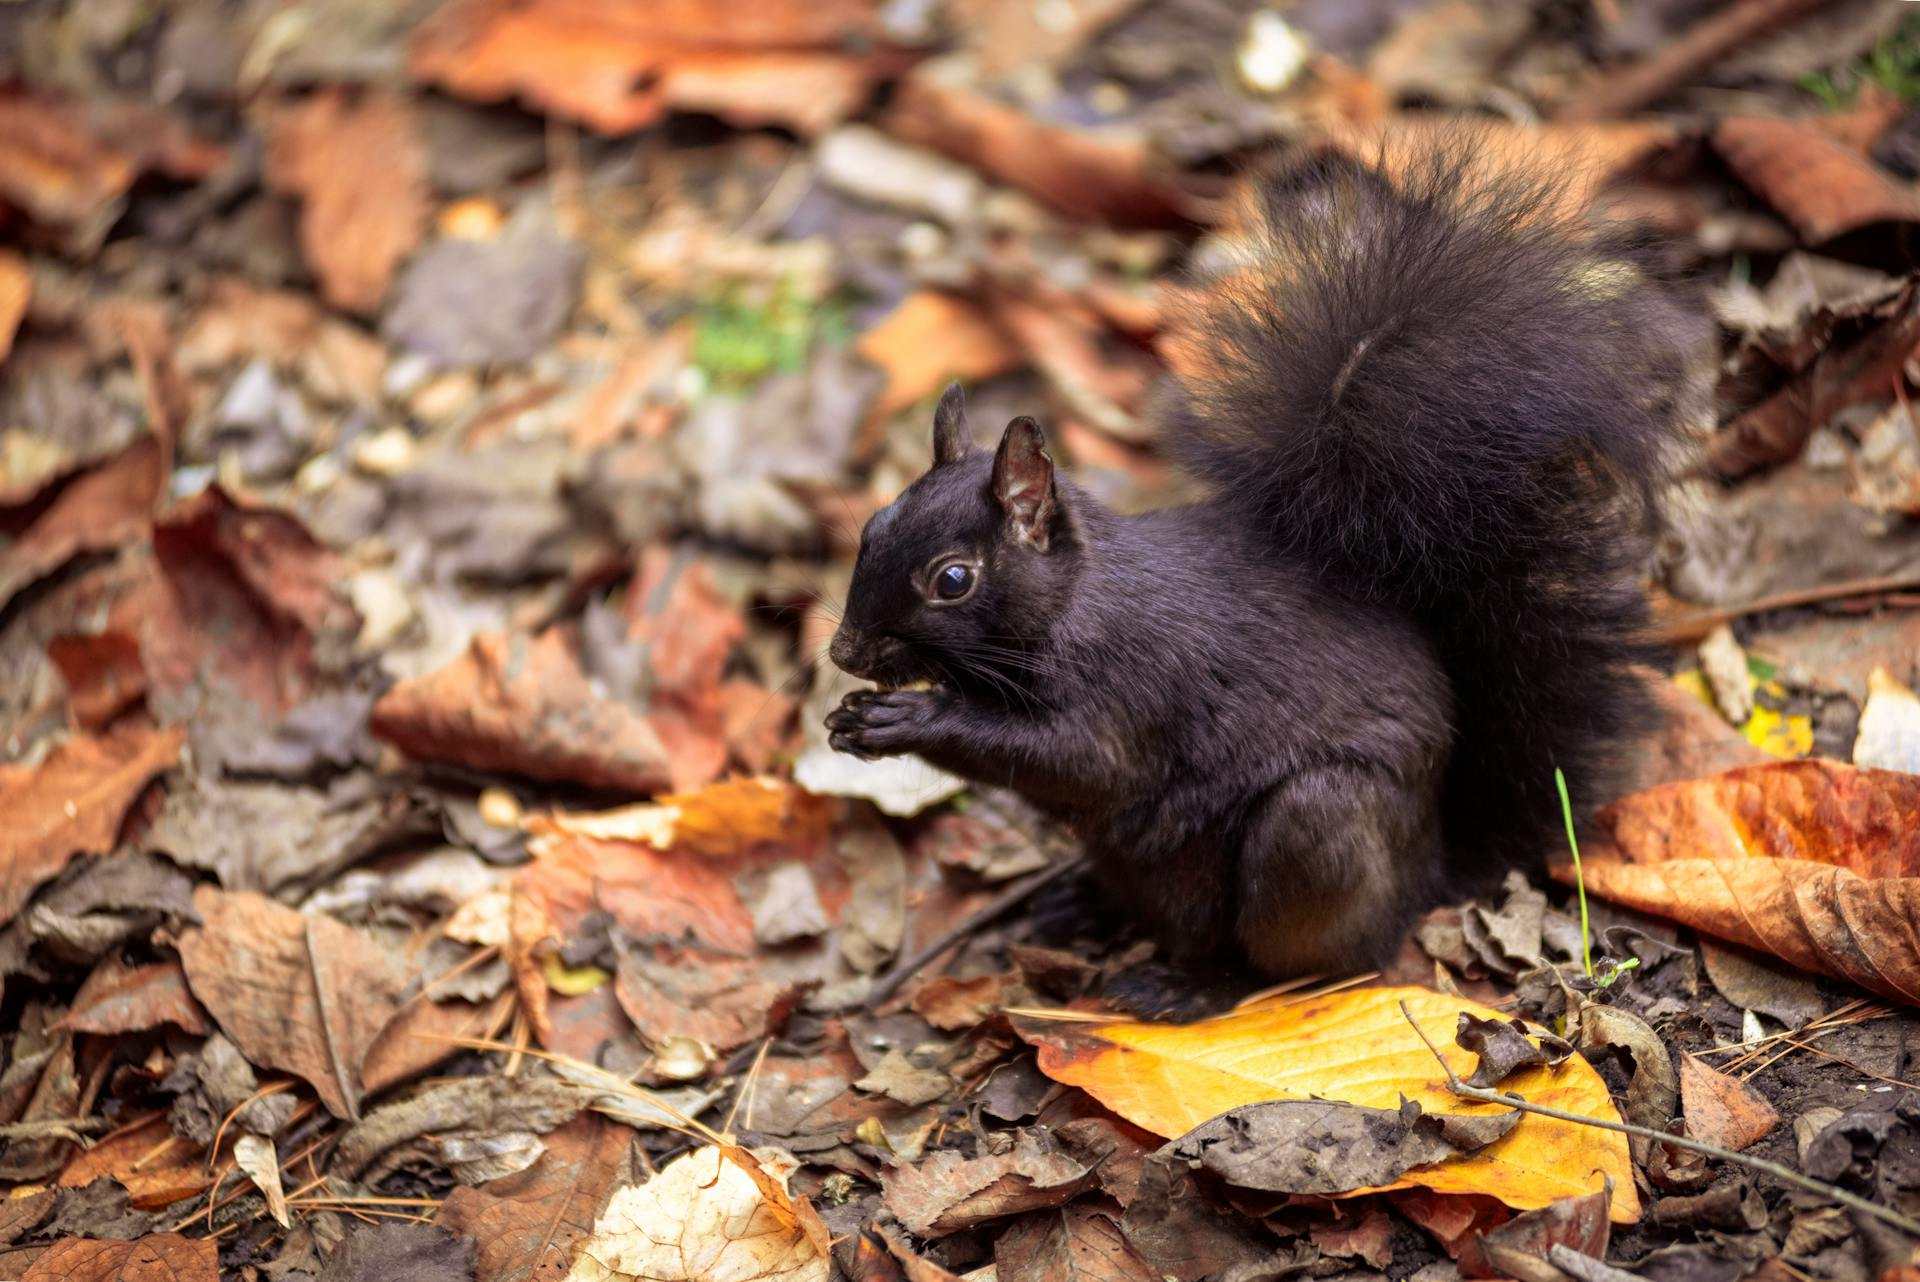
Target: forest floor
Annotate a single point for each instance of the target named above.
(432, 439)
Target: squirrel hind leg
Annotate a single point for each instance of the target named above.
(1333, 868)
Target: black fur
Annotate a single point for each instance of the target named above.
(1285, 718)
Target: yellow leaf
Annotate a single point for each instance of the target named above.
(1358, 1048)
(570, 981)
(1772, 731)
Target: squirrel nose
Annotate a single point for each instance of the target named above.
(844, 652)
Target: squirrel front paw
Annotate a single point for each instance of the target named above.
(884, 723)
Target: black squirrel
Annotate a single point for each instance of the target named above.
(1432, 411)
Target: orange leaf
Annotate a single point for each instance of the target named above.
(1722, 1109)
(163, 1257)
(1815, 862)
(361, 174)
(929, 339)
(16, 287)
(72, 804)
(1354, 1047)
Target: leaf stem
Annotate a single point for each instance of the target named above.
(1485, 1095)
(1579, 879)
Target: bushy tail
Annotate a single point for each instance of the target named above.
(1446, 394)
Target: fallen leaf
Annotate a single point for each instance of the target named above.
(1504, 1048)
(1654, 1089)
(95, 511)
(946, 1191)
(360, 172)
(1889, 736)
(67, 165)
(720, 821)
(618, 68)
(714, 1213)
(73, 803)
(722, 1001)
(1721, 1109)
(1577, 1223)
(523, 706)
(928, 340)
(1102, 178)
(1081, 1242)
(298, 992)
(1812, 861)
(1327, 1148)
(1354, 1047)
(103, 673)
(527, 1225)
(118, 998)
(1820, 185)
(1758, 982)
(16, 288)
(387, 1251)
(163, 1257)
(256, 1156)
(156, 1167)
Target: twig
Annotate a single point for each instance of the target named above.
(1694, 627)
(65, 1128)
(1652, 78)
(1485, 1095)
(885, 986)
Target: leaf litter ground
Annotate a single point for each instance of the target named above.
(431, 444)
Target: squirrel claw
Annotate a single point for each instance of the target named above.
(879, 723)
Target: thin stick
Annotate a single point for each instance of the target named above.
(1012, 896)
(1652, 78)
(1484, 1095)
(1693, 627)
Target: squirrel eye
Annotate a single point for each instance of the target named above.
(953, 582)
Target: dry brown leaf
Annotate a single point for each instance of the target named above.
(73, 803)
(1081, 1241)
(618, 67)
(721, 1001)
(66, 166)
(527, 1225)
(421, 1035)
(1821, 186)
(523, 706)
(361, 174)
(947, 1191)
(118, 998)
(103, 673)
(715, 1212)
(255, 1155)
(93, 512)
(295, 991)
(927, 341)
(156, 1167)
(163, 1257)
(1354, 1047)
(1722, 1109)
(1579, 1223)
(16, 288)
(1815, 862)
(1083, 175)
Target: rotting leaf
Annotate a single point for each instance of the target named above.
(95, 511)
(361, 174)
(1821, 186)
(118, 998)
(523, 706)
(946, 1191)
(103, 673)
(527, 1225)
(155, 1166)
(1323, 1147)
(1081, 1241)
(714, 1212)
(1504, 1048)
(1721, 1109)
(1356, 1047)
(389, 1250)
(1578, 1223)
(73, 803)
(300, 992)
(162, 1257)
(1653, 1090)
(1812, 861)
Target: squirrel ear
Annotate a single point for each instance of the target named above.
(1023, 483)
(952, 438)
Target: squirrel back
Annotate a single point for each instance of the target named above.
(1442, 394)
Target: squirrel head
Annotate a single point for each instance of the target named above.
(960, 577)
